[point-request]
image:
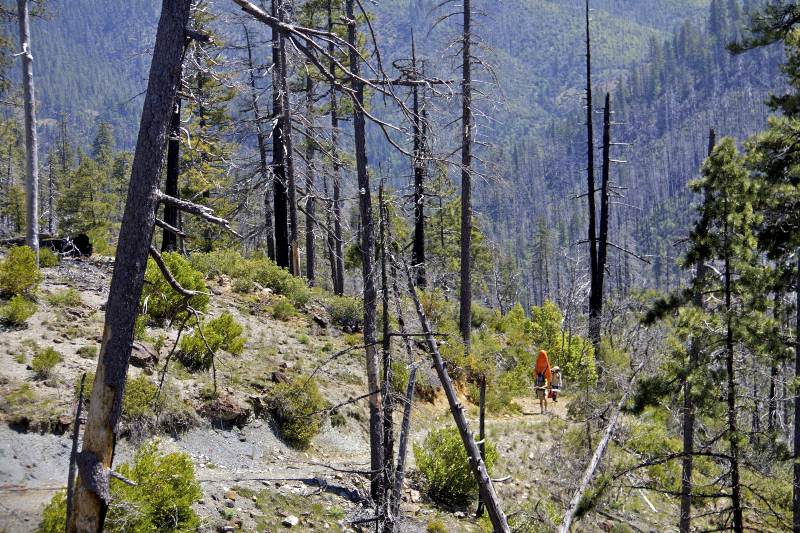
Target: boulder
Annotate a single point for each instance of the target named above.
(143, 356)
(226, 408)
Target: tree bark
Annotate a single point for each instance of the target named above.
(263, 168)
(386, 393)
(31, 139)
(279, 188)
(96, 457)
(602, 243)
(367, 231)
(595, 298)
(465, 298)
(282, 71)
(311, 201)
(169, 240)
(338, 271)
(418, 250)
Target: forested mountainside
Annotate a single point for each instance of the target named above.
(668, 89)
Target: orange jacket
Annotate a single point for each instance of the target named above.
(543, 366)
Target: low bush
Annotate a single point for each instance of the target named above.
(160, 302)
(222, 333)
(137, 402)
(436, 526)
(44, 361)
(296, 407)
(268, 274)
(19, 275)
(246, 272)
(166, 488)
(442, 460)
(17, 311)
(400, 374)
(88, 352)
(283, 309)
(346, 312)
(65, 298)
(48, 258)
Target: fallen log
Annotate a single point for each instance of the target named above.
(78, 245)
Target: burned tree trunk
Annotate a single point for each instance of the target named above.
(105, 406)
(337, 272)
(262, 152)
(311, 201)
(465, 298)
(279, 183)
(595, 296)
(282, 86)
(367, 259)
(169, 240)
(418, 250)
(388, 404)
(602, 244)
(31, 139)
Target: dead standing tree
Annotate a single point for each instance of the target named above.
(96, 457)
(465, 295)
(31, 140)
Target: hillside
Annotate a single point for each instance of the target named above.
(251, 478)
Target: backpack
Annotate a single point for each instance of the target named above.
(540, 382)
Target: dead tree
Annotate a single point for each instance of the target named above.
(687, 463)
(418, 249)
(31, 139)
(588, 474)
(485, 486)
(386, 393)
(595, 296)
(169, 239)
(95, 460)
(263, 167)
(279, 188)
(282, 86)
(310, 199)
(337, 249)
(367, 239)
(796, 434)
(465, 297)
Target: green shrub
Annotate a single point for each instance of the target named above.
(137, 402)
(17, 311)
(442, 461)
(44, 361)
(224, 261)
(222, 333)
(436, 526)
(88, 352)
(283, 309)
(346, 312)
(296, 407)
(161, 501)
(48, 258)
(160, 301)
(65, 298)
(18, 272)
(400, 374)
(268, 274)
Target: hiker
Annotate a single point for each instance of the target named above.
(555, 384)
(542, 378)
